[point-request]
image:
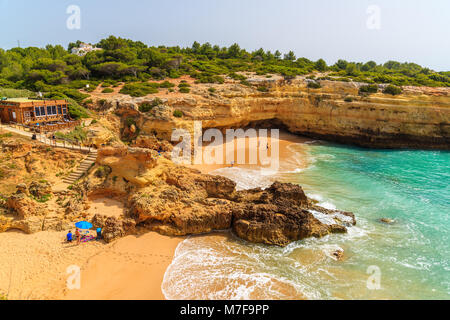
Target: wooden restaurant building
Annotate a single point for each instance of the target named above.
(42, 115)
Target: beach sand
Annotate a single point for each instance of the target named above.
(285, 140)
(131, 268)
(35, 266)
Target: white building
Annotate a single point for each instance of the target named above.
(83, 49)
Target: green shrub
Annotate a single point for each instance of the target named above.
(208, 78)
(212, 90)
(262, 89)
(178, 113)
(314, 85)
(43, 199)
(236, 76)
(146, 107)
(78, 134)
(184, 90)
(108, 90)
(130, 122)
(184, 85)
(246, 83)
(393, 90)
(102, 171)
(15, 93)
(370, 88)
(348, 99)
(166, 84)
(77, 112)
(140, 89)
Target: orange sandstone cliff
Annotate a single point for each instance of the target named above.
(418, 118)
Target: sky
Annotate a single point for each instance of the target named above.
(355, 30)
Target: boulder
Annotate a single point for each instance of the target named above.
(40, 189)
(22, 188)
(22, 206)
(387, 220)
(112, 227)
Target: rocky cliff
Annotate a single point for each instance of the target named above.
(418, 118)
(175, 200)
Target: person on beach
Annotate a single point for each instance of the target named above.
(78, 236)
(99, 234)
(69, 237)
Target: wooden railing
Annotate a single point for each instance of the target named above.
(59, 142)
(49, 127)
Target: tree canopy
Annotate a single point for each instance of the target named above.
(129, 61)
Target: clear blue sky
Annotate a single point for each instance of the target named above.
(410, 30)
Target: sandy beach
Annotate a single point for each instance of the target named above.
(130, 269)
(35, 266)
(285, 141)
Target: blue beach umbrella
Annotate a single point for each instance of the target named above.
(83, 225)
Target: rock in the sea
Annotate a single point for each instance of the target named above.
(387, 220)
(278, 216)
(338, 254)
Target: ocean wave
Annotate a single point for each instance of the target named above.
(246, 178)
(220, 267)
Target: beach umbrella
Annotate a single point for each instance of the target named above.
(84, 225)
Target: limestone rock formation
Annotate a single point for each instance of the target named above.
(184, 201)
(418, 118)
(112, 227)
(278, 216)
(39, 189)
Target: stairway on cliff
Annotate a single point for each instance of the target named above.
(84, 167)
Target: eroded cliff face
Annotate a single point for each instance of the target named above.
(175, 200)
(418, 118)
(169, 199)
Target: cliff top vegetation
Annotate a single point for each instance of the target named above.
(57, 73)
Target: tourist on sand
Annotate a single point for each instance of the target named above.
(99, 234)
(78, 236)
(69, 237)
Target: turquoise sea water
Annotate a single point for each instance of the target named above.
(411, 256)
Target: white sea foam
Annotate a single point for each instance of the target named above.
(330, 249)
(321, 201)
(245, 178)
(200, 265)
